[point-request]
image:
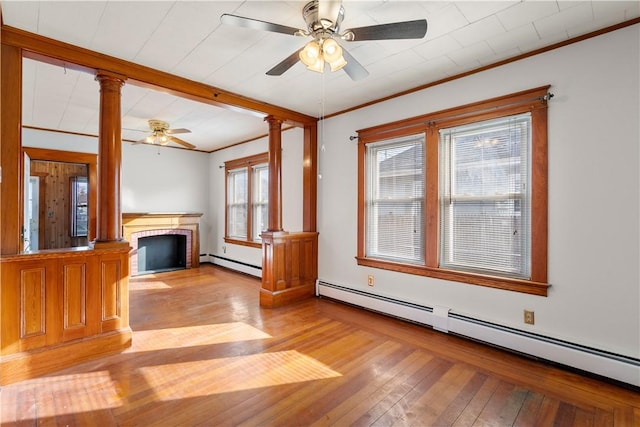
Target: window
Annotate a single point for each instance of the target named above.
(457, 195)
(247, 196)
(484, 197)
(395, 199)
(79, 205)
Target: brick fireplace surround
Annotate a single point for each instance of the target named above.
(136, 225)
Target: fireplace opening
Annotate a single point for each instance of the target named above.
(164, 252)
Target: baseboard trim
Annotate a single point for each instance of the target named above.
(232, 264)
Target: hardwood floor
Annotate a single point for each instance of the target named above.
(204, 353)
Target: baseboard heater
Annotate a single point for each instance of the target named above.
(240, 266)
(618, 367)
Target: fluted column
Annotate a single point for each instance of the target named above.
(275, 173)
(109, 159)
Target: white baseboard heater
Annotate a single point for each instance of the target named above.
(233, 264)
(610, 365)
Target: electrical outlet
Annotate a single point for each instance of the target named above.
(529, 317)
(370, 281)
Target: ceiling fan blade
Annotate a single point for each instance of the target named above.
(354, 69)
(256, 24)
(397, 30)
(175, 131)
(285, 64)
(329, 9)
(181, 142)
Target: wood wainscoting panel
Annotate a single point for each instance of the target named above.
(32, 302)
(60, 307)
(114, 272)
(74, 300)
(289, 267)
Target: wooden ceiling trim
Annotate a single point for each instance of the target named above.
(59, 53)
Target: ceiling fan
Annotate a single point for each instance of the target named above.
(323, 19)
(162, 135)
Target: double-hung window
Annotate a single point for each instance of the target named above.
(395, 199)
(484, 196)
(247, 186)
(459, 194)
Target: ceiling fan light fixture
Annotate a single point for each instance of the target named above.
(331, 50)
(338, 64)
(317, 66)
(310, 54)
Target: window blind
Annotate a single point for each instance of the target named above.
(237, 203)
(485, 197)
(260, 205)
(395, 199)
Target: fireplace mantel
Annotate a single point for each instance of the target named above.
(140, 224)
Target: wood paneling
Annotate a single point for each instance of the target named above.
(74, 300)
(57, 202)
(289, 267)
(63, 303)
(202, 357)
(110, 283)
(32, 302)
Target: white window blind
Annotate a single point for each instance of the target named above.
(260, 190)
(485, 197)
(395, 199)
(237, 201)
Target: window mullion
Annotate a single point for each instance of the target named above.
(431, 198)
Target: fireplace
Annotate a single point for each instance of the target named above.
(162, 241)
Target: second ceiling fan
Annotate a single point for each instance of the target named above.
(323, 19)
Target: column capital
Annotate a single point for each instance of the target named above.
(102, 75)
(273, 120)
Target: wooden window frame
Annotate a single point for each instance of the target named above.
(533, 101)
(244, 162)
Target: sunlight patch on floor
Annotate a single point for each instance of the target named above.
(231, 374)
(147, 285)
(158, 339)
(79, 392)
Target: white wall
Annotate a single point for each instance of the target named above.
(594, 134)
(165, 179)
(292, 152)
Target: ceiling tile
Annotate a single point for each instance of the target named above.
(73, 22)
(513, 38)
(470, 56)
(479, 30)
(444, 21)
(526, 12)
(565, 19)
(476, 10)
(127, 25)
(437, 47)
(21, 14)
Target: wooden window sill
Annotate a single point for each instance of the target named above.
(505, 283)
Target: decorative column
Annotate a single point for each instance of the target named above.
(10, 149)
(275, 173)
(289, 259)
(310, 177)
(109, 231)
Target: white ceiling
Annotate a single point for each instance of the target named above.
(186, 38)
